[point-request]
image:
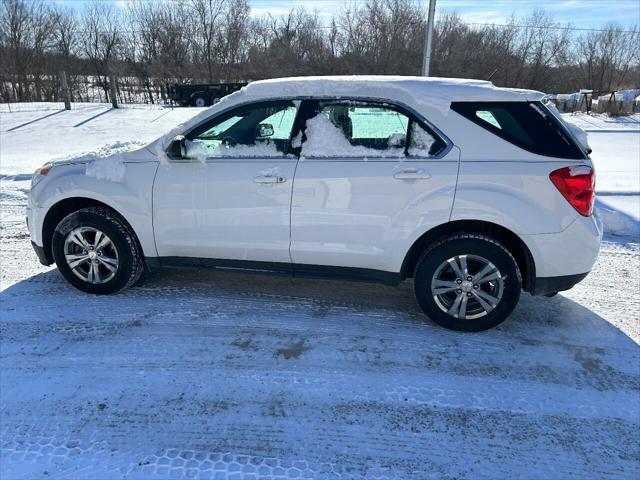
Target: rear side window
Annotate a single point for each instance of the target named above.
(526, 124)
(353, 128)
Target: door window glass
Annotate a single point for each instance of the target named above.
(367, 130)
(347, 130)
(259, 130)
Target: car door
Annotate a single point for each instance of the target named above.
(229, 195)
(372, 178)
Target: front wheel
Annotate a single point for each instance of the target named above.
(96, 251)
(467, 282)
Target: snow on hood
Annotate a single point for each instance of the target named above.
(106, 163)
(432, 93)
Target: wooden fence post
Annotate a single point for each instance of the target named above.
(113, 91)
(65, 90)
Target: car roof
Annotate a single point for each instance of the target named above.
(444, 89)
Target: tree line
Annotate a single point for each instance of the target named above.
(153, 44)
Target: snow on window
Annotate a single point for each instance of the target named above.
(324, 139)
(396, 140)
(421, 142)
(201, 150)
(296, 142)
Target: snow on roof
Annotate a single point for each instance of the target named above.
(445, 90)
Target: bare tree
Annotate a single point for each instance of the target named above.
(606, 58)
(232, 39)
(65, 33)
(101, 39)
(207, 15)
(26, 32)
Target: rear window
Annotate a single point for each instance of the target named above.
(526, 124)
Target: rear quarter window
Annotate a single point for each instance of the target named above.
(527, 125)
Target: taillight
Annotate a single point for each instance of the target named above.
(578, 185)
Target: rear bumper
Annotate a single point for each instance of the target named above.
(566, 254)
(545, 285)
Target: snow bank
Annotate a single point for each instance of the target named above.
(28, 139)
(617, 223)
(595, 122)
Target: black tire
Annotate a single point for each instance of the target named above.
(130, 259)
(200, 101)
(467, 244)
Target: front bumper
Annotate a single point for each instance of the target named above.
(42, 255)
(34, 225)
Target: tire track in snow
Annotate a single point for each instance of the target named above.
(164, 379)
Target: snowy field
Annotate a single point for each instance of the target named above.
(199, 374)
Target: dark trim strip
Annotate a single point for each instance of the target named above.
(350, 274)
(275, 268)
(545, 285)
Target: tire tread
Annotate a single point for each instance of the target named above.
(467, 236)
(120, 224)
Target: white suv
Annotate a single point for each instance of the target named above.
(475, 192)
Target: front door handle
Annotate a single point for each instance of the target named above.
(411, 174)
(269, 179)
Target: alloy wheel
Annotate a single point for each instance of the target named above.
(91, 255)
(467, 287)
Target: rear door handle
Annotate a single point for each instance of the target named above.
(269, 179)
(411, 174)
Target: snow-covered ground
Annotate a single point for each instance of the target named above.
(199, 374)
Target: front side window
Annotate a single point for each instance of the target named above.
(258, 130)
(527, 125)
(368, 130)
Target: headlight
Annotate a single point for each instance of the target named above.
(40, 173)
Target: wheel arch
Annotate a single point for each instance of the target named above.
(64, 207)
(509, 239)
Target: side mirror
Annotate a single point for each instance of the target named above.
(264, 130)
(177, 147)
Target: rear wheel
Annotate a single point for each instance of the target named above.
(96, 251)
(467, 282)
(199, 102)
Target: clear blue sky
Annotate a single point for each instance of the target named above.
(580, 13)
